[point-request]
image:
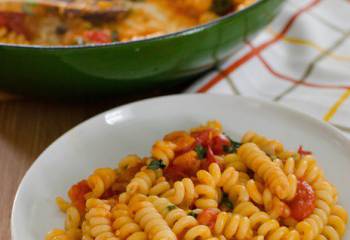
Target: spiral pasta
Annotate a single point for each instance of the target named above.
(269, 146)
(99, 219)
(143, 181)
(201, 185)
(176, 218)
(265, 225)
(232, 226)
(163, 150)
(304, 167)
(214, 125)
(72, 218)
(100, 181)
(232, 160)
(273, 176)
(124, 225)
(151, 221)
(58, 234)
(272, 204)
(208, 196)
(183, 193)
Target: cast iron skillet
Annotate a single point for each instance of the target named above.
(131, 66)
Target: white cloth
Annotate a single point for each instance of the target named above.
(302, 60)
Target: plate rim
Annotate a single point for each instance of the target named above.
(279, 106)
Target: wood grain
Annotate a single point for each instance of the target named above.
(27, 127)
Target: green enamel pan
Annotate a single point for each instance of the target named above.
(131, 66)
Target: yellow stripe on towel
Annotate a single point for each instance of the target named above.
(333, 110)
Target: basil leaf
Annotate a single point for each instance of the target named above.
(171, 207)
(156, 164)
(201, 151)
(193, 214)
(225, 201)
(232, 148)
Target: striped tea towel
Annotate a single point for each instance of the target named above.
(301, 60)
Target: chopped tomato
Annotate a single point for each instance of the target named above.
(3, 20)
(218, 144)
(187, 162)
(203, 137)
(183, 141)
(181, 151)
(174, 173)
(210, 158)
(108, 193)
(13, 21)
(95, 36)
(208, 217)
(303, 152)
(303, 203)
(77, 194)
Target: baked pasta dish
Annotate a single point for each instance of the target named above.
(143, 19)
(201, 184)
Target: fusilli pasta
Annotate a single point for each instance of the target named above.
(201, 184)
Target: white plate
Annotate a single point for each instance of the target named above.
(104, 139)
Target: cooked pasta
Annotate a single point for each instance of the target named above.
(183, 193)
(200, 184)
(100, 181)
(124, 225)
(139, 19)
(163, 150)
(269, 146)
(260, 163)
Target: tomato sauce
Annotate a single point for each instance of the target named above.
(77, 194)
(208, 217)
(13, 21)
(203, 137)
(219, 143)
(94, 36)
(303, 203)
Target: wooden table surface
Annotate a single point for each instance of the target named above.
(27, 127)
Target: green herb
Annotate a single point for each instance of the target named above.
(201, 151)
(295, 156)
(193, 214)
(156, 164)
(225, 201)
(222, 7)
(171, 207)
(232, 148)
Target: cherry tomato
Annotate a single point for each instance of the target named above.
(188, 163)
(3, 20)
(16, 23)
(174, 173)
(203, 137)
(303, 203)
(208, 217)
(13, 21)
(77, 194)
(95, 36)
(210, 158)
(218, 144)
(303, 152)
(184, 142)
(108, 193)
